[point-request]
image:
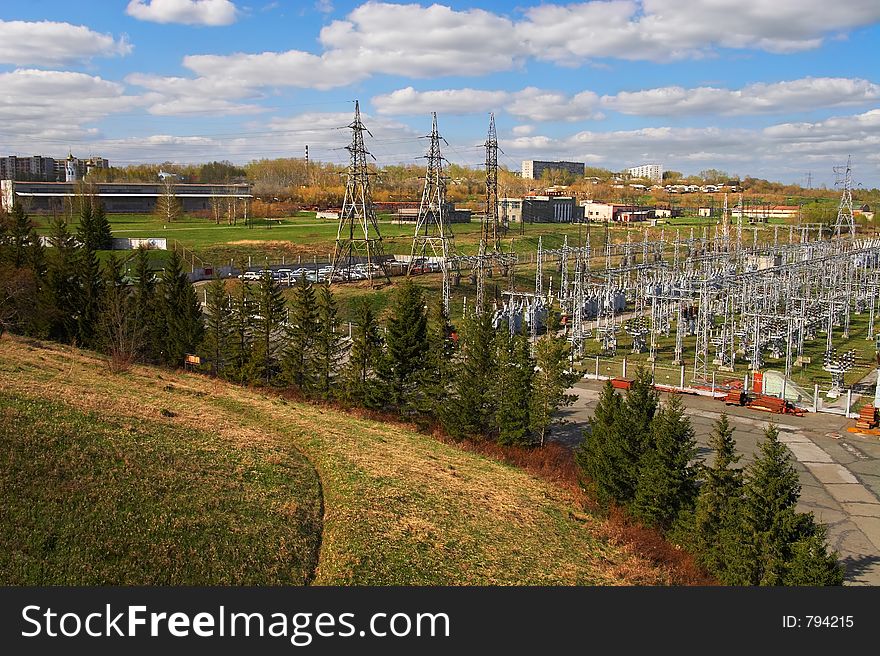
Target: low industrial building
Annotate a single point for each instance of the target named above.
(451, 214)
(137, 198)
(540, 209)
(615, 212)
(761, 213)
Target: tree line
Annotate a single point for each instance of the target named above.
(740, 523)
(471, 380)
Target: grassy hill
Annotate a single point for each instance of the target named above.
(159, 477)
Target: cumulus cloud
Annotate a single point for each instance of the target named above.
(173, 96)
(408, 101)
(188, 12)
(48, 43)
(662, 30)
(38, 104)
(792, 96)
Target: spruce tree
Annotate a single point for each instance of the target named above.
(407, 344)
(471, 406)
(635, 434)
(217, 325)
(779, 545)
(298, 362)
(62, 282)
(595, 456)
(328, 342)
(182, 313)
(513, 389)
(715, 537)
(101, 232)
(85, 230)
(666, 485)
(430, 395)
(550, 383)
(88, 297)
(268, 328)
(120, 334)
(24, 245)
(365, 352)
(238, 361)
(148, 311)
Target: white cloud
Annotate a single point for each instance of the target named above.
(408, 101)
(324, 6)
(540, 105)
(661, 30)
(792, 96)
(45, 105)
(188, 12)
(522, 130)
(173, 96)
(48, 43)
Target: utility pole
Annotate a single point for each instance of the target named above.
(845, 216)
(358, 234)
(432, 226)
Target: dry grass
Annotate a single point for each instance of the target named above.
(399, 507)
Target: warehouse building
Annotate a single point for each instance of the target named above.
(138, 198)
(540, 209)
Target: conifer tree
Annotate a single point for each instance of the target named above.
(24, 246)
(85, 230)
(431, 394)
(781, 546)
(471, 406)
(328, 342)
(217, 325)
(268, 326)
(513, 389)
(635, 434)
(366, 351)
(550, 383)
(298, 362)
(182, 313)
(88, 297)
(407, 345)
(120, 334)
(717, 514)
(595, 456)
(237, 359)
(666, 485)
(148, 311)
(102, 235)
(62, 282)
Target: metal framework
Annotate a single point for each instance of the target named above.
(358, 240)
(845, 218)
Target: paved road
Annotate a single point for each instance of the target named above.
(839, 471)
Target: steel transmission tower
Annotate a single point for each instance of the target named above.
(432, 225)
(490, 241)
(845, 217)
(357, 239)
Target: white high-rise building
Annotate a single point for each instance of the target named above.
(653, 172)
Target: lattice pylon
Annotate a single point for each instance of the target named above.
(358, 239)
(845, 217)
(432, 225)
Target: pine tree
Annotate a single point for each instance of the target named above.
(148, 314)
(101, 232)
(717, 515)
(182, 313)
(88, 297)
(666, 485)
(298, 362)
(24, 246)
(328, 342)
(471, 406)
(513, 389)
(780, 545)
(550, 383)
(635, 434)
(120, 334)
(217, 325)
(430, 395)
(407, 342)
(595, 456)
(268, 326)
(85, 230)
(62, 282)
(366, 351)
(238, 360)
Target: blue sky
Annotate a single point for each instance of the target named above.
(772, 89)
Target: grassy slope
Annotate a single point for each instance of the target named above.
(399, 507)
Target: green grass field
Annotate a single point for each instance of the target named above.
(153, 476)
